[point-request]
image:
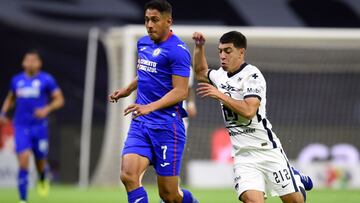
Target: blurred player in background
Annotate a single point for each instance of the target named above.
(29, 93)
(157, 133)
(260, 164)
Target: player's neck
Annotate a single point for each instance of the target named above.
(31, 74)
(237, 69)
(166, 37)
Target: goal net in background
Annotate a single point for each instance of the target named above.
(313, 98)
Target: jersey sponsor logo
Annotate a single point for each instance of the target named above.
(253, 90)
(142, 48)
(147, 65)
(255, 76)
(28, 92)
(239, 132)
(156, 52)
(228, 87)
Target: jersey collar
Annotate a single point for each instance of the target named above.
(237, 71)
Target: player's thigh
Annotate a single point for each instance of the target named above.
(168, 185)
(295, 197)
(253, 196)
(279, 177)
(138, 142)
(24, 158)
(133, 166)
(168, 141)
(249, 180)
(22, 138)
(40, 142)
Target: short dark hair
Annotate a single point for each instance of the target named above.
(161, 5)
(34, 52)
(235, 37)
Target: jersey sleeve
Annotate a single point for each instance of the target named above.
(212, 76)
(255, 86)
(51, 84)
(180, 61)
(13, 85)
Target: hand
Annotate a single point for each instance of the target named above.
(198, 38)
(207, 90)
(138, 110)
(117, 94)
(42, 112)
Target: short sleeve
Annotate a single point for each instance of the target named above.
(13, 85)
(255, 86)
(191, 78)
(180, 61)
(212, 76)
(51, 84)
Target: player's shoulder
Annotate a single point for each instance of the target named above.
(43, 75)
(18, 76)
(176, 44)
(145, 40)
(250, 69)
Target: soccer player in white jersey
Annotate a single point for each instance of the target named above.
(260, 164)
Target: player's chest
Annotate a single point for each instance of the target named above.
(153, 59)
(232, 87)
(26, 88)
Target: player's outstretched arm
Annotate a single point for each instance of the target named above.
(200, 65)
(7, 105)
(123, 92)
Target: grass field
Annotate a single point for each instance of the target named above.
(72, 194)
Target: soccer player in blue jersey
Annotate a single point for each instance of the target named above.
(157, 134)
(30, 92)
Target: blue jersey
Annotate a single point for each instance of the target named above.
(31, 93)
(155, 66)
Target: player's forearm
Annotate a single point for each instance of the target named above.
(200, 64)
(8, 103)
(240, 107)
(173, 97)
(57, 102)
(132, 86)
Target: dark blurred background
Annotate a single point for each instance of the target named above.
(59, 30)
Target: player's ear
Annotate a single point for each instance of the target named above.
(241, 52)
(169, 20)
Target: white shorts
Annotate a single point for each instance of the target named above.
(264, 170)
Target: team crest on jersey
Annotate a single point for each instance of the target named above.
(156, 52)
(35, 83)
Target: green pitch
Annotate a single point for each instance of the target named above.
(72, 194)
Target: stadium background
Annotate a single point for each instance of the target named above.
(59, 30)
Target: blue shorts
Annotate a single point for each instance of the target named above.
(34, 137)
(162, 144)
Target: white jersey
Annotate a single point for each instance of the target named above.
(245, 134)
